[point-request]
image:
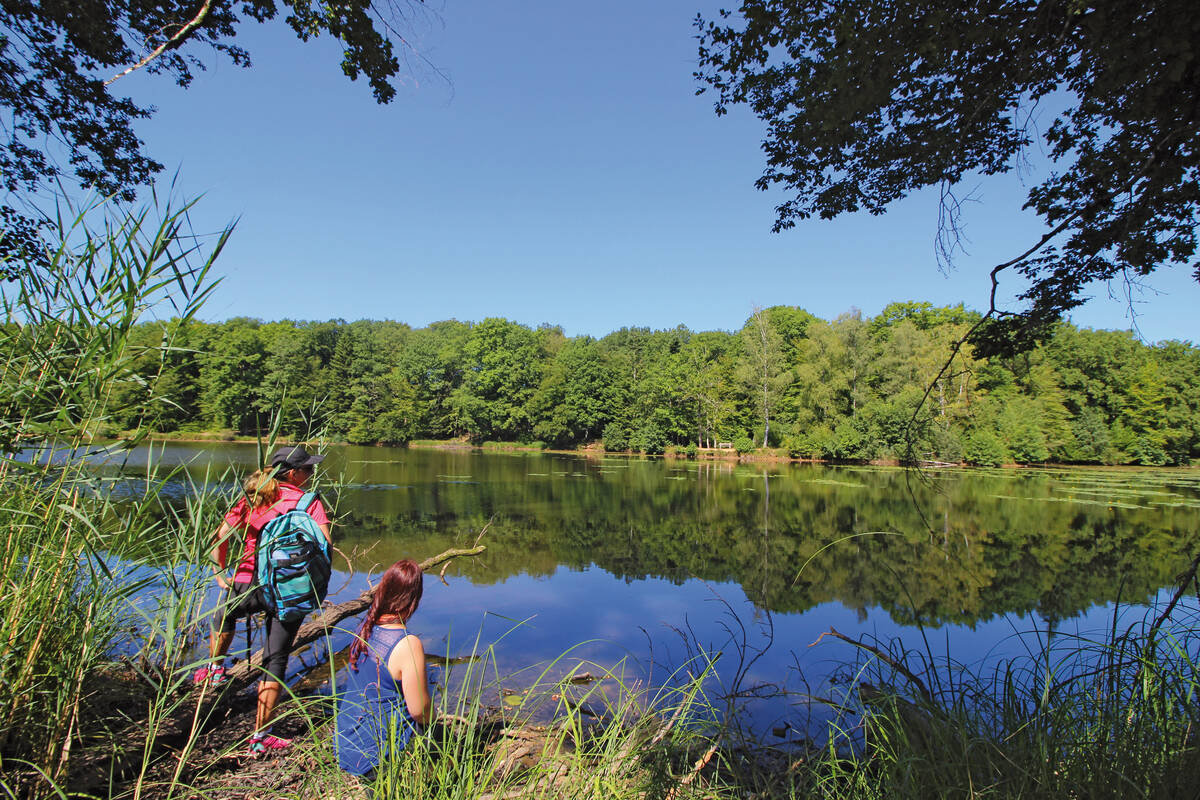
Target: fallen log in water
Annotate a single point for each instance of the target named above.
(187, 715)
(319, 626)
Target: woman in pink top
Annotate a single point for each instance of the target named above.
(268, 494)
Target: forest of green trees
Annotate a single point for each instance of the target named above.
(843, 389)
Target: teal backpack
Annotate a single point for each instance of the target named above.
(292, 563)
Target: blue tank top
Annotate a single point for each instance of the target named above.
(372, 717)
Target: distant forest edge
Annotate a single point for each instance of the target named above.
(843, 389)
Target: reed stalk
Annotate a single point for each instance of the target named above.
(72, 559)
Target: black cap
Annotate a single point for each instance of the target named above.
(294, 457)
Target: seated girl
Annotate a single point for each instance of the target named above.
(383, 699)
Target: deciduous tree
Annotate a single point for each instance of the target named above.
(60, 62)
(867, 102)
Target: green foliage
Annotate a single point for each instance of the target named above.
(985, 449)
(850, 442)
(68, 50)
(75, 359)
(503, 368)
(433, 362)
(1021, 431)
(947, 444)
(865, 105)
(691, 451)
(809, 444)
(763, 369)
(615, 438)
(887, 423)
(923, 315)
(1092, 441)
(743, 444)
(844, 390)
(1147, 452)
(578, 394)
(232, 378)
(649, 439)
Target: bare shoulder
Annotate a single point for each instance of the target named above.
(413, 643)
(407, 653)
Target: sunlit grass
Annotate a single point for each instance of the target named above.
(76, 564)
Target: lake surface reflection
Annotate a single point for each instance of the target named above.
(637, 558)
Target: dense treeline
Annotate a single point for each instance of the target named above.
(844, 389)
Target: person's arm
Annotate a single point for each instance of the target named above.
(220, 552)
(407, 665)
(316, 510)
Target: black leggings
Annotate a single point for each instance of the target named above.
(245, 599)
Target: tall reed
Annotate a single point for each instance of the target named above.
(1107, 716)
(69, 552)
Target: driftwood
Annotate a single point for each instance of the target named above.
(882, 656)
(318, 627)
(199, 704)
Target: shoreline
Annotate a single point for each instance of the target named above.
(770, 456)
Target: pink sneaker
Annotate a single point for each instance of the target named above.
(214, 674)
(263, 743)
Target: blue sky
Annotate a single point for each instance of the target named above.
(561, 171)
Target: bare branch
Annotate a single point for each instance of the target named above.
(882, 656)
(174, 41)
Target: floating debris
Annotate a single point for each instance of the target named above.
(832, 482)
(1075, 500)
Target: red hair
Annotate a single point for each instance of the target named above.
(397, 595)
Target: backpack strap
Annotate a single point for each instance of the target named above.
(305, 501)
(303, 504)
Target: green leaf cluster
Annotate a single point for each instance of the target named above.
(866, 103)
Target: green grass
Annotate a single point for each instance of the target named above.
(512, 446)
(1121, 727)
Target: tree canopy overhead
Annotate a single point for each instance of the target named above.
(868, 101)
(60, 59)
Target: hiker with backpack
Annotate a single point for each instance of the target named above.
(385, 695)
(274, 498)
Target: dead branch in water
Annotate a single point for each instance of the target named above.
(318, 627)
(882, 656)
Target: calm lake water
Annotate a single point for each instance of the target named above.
(647, 559)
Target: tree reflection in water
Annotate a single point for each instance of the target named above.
(600, 549)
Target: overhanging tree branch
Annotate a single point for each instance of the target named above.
(993, 276)
(174, 41)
